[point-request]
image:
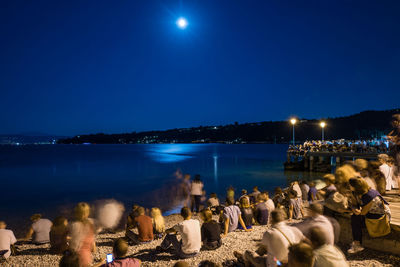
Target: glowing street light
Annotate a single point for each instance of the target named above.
(182, 23)
(293, 122)
(322, 124)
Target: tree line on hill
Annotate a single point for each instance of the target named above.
(364, 125)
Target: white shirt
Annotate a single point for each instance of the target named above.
(196, 189)
(41, 229)
(296, 188)
(277, 244)
(191, 235)
(329, 256)
(7, 238)
(270, 205)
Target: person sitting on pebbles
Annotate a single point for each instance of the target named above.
(120, 249)
(190, 233)
(40, 230)
(7, 239)
(275, 243)
(230, 217)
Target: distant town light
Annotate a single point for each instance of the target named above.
(322, 124)
(293, 121)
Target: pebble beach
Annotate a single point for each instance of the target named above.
(32, 255)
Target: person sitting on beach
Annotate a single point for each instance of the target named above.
(40, 230)
(269, 202)
(130, 220)
(243, 194)
(330, 187)
(325, 254)
(279, 197)
(317, 220)
(253, 195)
(58, 235)
(158, 223)
(295, 206)
(231, 217)
(190, 233)
(247, 213)
(82, 234)
(210, 231)
(144, 225)
(305, 188)
(300, 255)
(274, 245)
(296, 187)
(261, 212)
(213, 203)
(7, 240)
(120, 249)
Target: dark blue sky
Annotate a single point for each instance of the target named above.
(73, 67)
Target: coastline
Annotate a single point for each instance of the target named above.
(32, 255)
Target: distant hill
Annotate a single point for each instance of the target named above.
(364, 125)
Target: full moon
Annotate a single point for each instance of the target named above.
(182, 23)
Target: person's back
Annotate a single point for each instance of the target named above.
(232, 212)
(191, 235)
(262, 213)
(7, 239)
(120, 249)
(41, 231)
(145, 227)
(58, 235)
(247, 216)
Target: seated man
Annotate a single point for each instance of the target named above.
(120, 248)
(7, 239)
(317, 220)
(189, 230)
(275, 243)
(144, 225)
(261, 211)
(231, 216)
(210, 231)
(40, 230)
(325, 254)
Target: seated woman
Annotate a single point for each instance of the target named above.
(158, 223)
(373, 206)
(261, 211)
(58, 235)
(247, 213)
(213, 203)
(295, 206)
(210, 231)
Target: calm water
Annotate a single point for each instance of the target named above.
(50, 179)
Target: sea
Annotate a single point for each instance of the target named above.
(51, 179)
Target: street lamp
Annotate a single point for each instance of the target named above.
(322, 124)
(293, 122)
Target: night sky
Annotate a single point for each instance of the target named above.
(76, 67)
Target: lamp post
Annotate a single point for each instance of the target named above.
(322, 124)
(293, 122)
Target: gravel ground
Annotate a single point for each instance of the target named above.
(32, 255)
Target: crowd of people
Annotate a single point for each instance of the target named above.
(354, 146)
(291, 238)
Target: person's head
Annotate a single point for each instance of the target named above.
(383, 158)
(360, 185)
(197, 178)
(244, 191)
(277, 216)
(158, 220)
(36, 217)
(141, 211)
(82, 211)
(244, 202)
(155, 212)
(135, 207)
(278, 190)
(300, 255)
(329, 179)
(311, 184)
(3, 225)
(344, 173)
(181, 264)
(317, 237)
(69, 259)
(60, 221)
(213, 195)
(261, 198)
(206, 215)
(360, 164)
(255, 188)
(316, 209)
(207, 263)
(185, 213)
(186, 176)
(120, 248)
(230, 201)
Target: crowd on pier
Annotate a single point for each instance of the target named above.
(353, 146)
(291, 238)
